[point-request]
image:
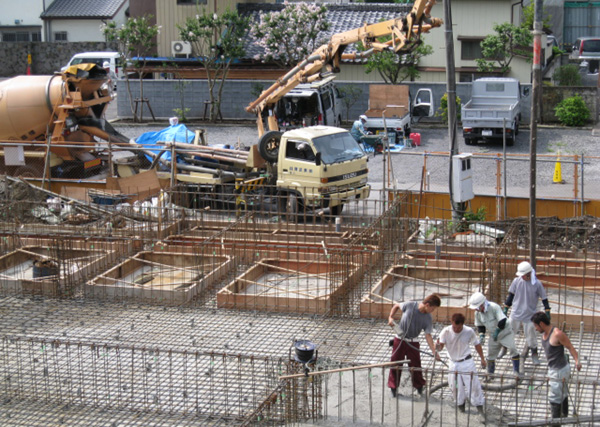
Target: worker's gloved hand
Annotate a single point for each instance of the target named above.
(496, 333)
(548, 313)
(482, 338)
(505, 310)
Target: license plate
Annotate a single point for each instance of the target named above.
(486, 133)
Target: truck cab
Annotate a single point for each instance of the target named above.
(320, 167)
(310, 104)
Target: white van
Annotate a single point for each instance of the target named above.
(99, 58)
(310, 104)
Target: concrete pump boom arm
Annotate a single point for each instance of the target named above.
(406, 35)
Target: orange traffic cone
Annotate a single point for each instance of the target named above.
(29, 64)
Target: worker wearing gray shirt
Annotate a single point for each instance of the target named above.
(523, 297)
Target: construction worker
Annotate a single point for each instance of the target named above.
(523, 295)
(462, 377)
(490, 318)
(358, 128)
(554, 342)
(416, 317)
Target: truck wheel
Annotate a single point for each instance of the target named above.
(268, 146)
(516, 127)
(469, 141)
(510, 141)
(34, 170)
(336, 210)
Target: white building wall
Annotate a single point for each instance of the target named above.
(78, 30)
(27, 12)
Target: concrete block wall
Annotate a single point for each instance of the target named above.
(164, 96)
(552, 96)
(46, 58)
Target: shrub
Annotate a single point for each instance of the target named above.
(567, 75)
(572, 111)
(443, 110)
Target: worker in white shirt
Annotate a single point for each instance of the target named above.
(462, 378)
(523, 295)
(490, 318)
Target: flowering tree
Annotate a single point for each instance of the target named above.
(135, 39)
(290, 35)
(216, 41)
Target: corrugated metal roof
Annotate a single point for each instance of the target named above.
(341, 17)
(99, 9)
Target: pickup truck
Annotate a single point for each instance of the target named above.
(495, 105)
(394, 103)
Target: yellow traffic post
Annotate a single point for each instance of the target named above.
(557, 179)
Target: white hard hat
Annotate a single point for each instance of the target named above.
(363, 117)
(476, 300)
(106, 64)
(524, 268)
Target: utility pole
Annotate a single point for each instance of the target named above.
(535, 106)
(458, 209)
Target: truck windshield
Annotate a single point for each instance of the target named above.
(338, 147)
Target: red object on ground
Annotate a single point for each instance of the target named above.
(416, 139)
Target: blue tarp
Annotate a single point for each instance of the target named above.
(177, 133)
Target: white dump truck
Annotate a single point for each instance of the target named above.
(391, 109)
(494, 110)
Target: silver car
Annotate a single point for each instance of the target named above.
(587, 49)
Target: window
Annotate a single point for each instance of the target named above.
(60, 36)
(299, 150)
(36, 37)
(471, 49)
(192, 2)
(9, 37)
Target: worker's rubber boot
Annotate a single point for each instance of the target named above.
(491, 368)
(556, 409)
(481, 413)
(516, 361)
(565, 407)
(461, 408)
(534, 356)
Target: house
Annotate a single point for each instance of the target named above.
(80, 20)
(472, 22)
(20, 21)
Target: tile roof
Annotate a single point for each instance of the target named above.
(342, 17)
(86, 9)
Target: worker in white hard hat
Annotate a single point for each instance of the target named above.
(358, 128)
(489, 317)
(523, 295)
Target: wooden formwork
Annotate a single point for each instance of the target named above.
(160, 277)
(300, 286)
(453, 280)
(73, 266)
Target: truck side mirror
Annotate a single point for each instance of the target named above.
(318, 158)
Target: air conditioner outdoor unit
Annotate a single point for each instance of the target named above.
(181, 48)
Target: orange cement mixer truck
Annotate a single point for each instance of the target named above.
(54, 125)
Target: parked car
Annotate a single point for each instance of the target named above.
(587, 49)
(100, 58)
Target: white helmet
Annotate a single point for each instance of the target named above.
(476, 300)
(524, 268)
(363, 117)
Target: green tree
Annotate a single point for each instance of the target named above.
(394, 68)
(216, 41)
(350, 95)
(443, 110)
(290, 35)
(567, 75)
(528, 17)
(135, 39)
(499, 49)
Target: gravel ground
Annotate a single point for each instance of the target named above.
(407, 165)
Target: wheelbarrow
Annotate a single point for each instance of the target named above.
(372, 144)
